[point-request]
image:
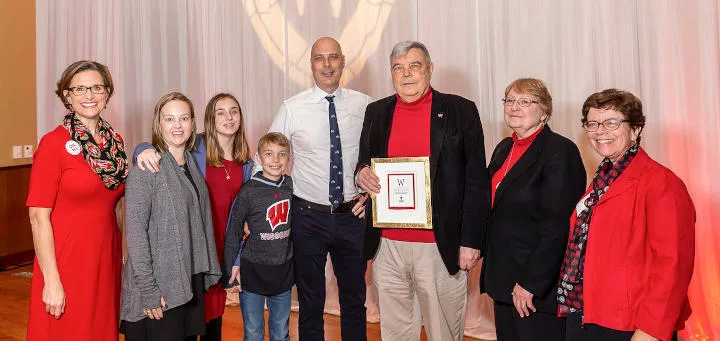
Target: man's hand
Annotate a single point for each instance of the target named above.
(359, 208)
(368, 181)
(149, 160)
(522, 299)
(468, 258)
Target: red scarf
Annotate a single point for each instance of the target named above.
(105, 157)
(570, 292)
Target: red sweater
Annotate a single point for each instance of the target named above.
(410, 137)
(222, 192)
(520, 146)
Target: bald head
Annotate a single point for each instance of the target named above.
(325, 43)
(327, 63)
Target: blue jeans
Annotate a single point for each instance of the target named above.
(253, 314)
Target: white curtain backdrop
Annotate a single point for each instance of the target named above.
(666, 52)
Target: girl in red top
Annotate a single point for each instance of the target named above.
(77, 179)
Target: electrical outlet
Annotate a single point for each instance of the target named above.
(27, 151)
(17, 152)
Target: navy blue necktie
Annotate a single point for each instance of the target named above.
(336, 166)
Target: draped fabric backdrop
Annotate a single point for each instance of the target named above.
(666, 52)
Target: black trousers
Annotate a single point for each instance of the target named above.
(314, 235)
(593, 332)
(182, 323)
(213, 331)
(539, 326)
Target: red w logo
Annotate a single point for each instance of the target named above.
(278, 213)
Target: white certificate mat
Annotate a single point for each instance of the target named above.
(404, 198)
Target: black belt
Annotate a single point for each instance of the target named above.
(342, 208)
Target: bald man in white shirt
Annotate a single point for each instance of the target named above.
(323, 124)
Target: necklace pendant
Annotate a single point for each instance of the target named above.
(227, 174)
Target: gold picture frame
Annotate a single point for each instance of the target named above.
(405, 198)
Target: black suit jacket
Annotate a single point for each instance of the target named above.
(460, 183)
(529, 221)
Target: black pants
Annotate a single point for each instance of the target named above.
(213, 331)
(592, 332)
(539, 326)
(182, 323)
(314, 235)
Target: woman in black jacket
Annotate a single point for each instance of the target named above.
(537, 178)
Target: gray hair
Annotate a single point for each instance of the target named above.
(400, 49)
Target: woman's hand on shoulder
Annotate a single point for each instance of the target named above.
(149, 160)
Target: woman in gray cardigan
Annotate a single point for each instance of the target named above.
(171, 250)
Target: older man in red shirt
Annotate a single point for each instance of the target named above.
(417, 272)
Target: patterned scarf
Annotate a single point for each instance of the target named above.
(570, 290)
(106, 158)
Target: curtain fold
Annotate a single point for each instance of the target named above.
(666, 52)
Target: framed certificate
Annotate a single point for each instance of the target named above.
(404, 198)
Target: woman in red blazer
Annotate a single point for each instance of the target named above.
(629, 259)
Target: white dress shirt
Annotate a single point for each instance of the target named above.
(304, 119)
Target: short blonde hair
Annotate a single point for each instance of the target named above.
(535, 88)
(157, 139)
(273, 138)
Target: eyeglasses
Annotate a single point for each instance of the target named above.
(97, 89)
(414, 67)
(523, 102)
(609, 124)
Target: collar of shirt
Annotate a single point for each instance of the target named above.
(318, 95)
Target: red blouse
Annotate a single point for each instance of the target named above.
(520, 146)
(222, 193)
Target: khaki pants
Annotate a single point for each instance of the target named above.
(415, 289)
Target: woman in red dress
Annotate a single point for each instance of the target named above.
(223, 155)
(77, 179)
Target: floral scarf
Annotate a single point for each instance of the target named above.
(106, 157)
(570, 290)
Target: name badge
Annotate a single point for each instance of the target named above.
(72, 147)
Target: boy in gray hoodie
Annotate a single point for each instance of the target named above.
(264, 270)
